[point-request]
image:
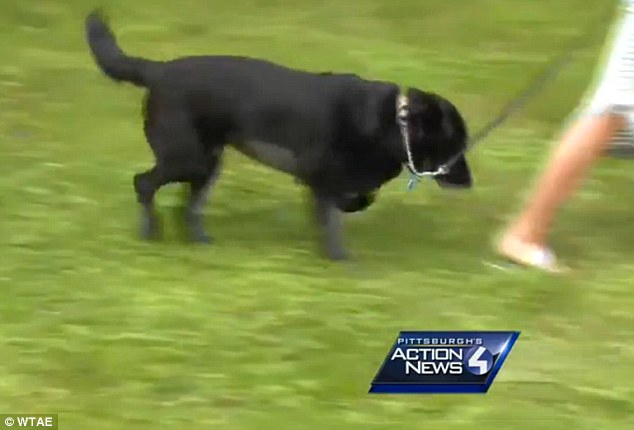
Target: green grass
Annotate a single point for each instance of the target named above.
(256, 332)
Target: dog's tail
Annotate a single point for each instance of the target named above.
(110, 58)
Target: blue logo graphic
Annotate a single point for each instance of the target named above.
(443, 362)
(478, 360)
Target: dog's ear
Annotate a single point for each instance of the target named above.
(425, 109)
(372, 108)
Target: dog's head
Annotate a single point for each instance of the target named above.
(437, 133)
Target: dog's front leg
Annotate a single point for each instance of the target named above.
(330, 224)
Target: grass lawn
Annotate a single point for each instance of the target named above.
(256, 332)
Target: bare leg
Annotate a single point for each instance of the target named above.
(582, 144)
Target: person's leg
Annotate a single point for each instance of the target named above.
(582, 144)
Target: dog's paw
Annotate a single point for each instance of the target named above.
(195, 228)
(150, 228)
(337, 254)
(202, 238)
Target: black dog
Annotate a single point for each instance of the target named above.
(337, 134)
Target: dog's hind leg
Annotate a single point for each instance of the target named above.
(146, 185)
(200, 190)
(180, 157)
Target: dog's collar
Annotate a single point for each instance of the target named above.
(402, 116)
(402, 119)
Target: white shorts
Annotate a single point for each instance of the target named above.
(615, 90)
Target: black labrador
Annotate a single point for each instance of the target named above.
(337, 134)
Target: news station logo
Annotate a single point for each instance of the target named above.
(443, 362)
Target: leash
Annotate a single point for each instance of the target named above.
(549, 73)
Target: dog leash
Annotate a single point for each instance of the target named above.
(550, 72)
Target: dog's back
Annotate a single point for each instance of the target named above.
(231, 77)
(251, 100)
